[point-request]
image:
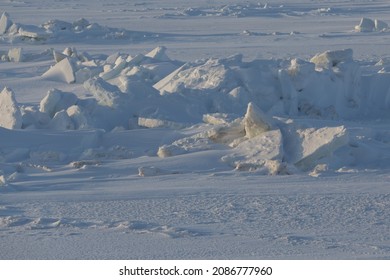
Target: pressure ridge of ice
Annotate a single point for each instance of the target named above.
(271, 116)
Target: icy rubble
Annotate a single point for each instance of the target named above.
(239, 10)
(330, 59)
(13, 55)
(263, 153)
(255, 121)
(281, 148)
(245, 107)
(154, 123)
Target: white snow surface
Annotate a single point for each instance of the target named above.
(207, 130)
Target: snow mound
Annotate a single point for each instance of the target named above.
(10, 115)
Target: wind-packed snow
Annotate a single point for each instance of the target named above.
(216, 130)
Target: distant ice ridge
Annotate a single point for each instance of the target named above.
(61, 31)
(243, 10)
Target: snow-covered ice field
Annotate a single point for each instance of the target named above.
(194, 130)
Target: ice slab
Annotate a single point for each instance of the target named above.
(62, 71)
(256, 121)
(79, 118)
(5, 23)
(330, 59)
(159, 54)
(380, 25)
(10, 115)
(316, 143)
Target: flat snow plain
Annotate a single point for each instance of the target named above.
(258, 130)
